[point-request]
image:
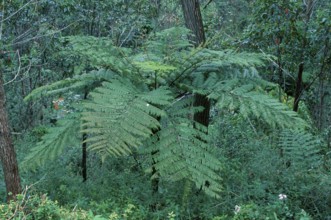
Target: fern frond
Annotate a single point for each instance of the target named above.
(119, 116)
(76, 83)
(250, 101)
(53, 143)
(214, 60)
(98, 52)
(183, 152)
(301, 148)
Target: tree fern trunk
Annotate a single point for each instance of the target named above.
(155, 179)
(202, 117)
(186, 195)
(7, 151)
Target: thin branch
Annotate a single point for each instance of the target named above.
(3, 14)
(25, 74)
(5, 19)
(126, 36)
(204, 7)
(27, 32)
(18, 70)
(45, 35)
(274, 63)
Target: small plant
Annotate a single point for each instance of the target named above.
(279, 209)
(39, 207)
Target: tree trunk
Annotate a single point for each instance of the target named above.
(298, 88)
(84, 158)
(193, 21)
(84, 151)
(299, 82)
(7, 151)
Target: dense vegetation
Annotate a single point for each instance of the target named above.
(153, 109)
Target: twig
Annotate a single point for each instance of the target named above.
(251, 124)
(274, 63)
(204, 7)
(18, 70)
(5, 19)
(45, 35)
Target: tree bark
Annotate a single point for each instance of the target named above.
(84, 151)
(299, 82)
(84, 158)
(7, 151)
(193, 21)
(298, 88)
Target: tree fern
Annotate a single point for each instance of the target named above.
(183, 151)
(59, 137)
(301, 149)
(120, 116)
(121, 113)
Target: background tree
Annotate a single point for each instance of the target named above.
(7, 151)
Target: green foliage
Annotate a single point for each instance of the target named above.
(77, 83)
(301, 149)
(249, 100)
(123, 114)
(95, 52)
(166, 43)
(53, 143)
(120, 116)
(138, 73)
(182, 150)
(154, 66)
(277, 210)
(39, 208)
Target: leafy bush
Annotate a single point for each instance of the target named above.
(277, 210)
(40, 207)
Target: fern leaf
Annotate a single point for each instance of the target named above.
(183, 152)
(252, 102)
(78, 82)
(120, 116)
(301, 148)
(53, 143)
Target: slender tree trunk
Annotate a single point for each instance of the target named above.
(193, 21)
(7, 151)
(84, 158)
(299, 87)
(321, 88)
(84, 151)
